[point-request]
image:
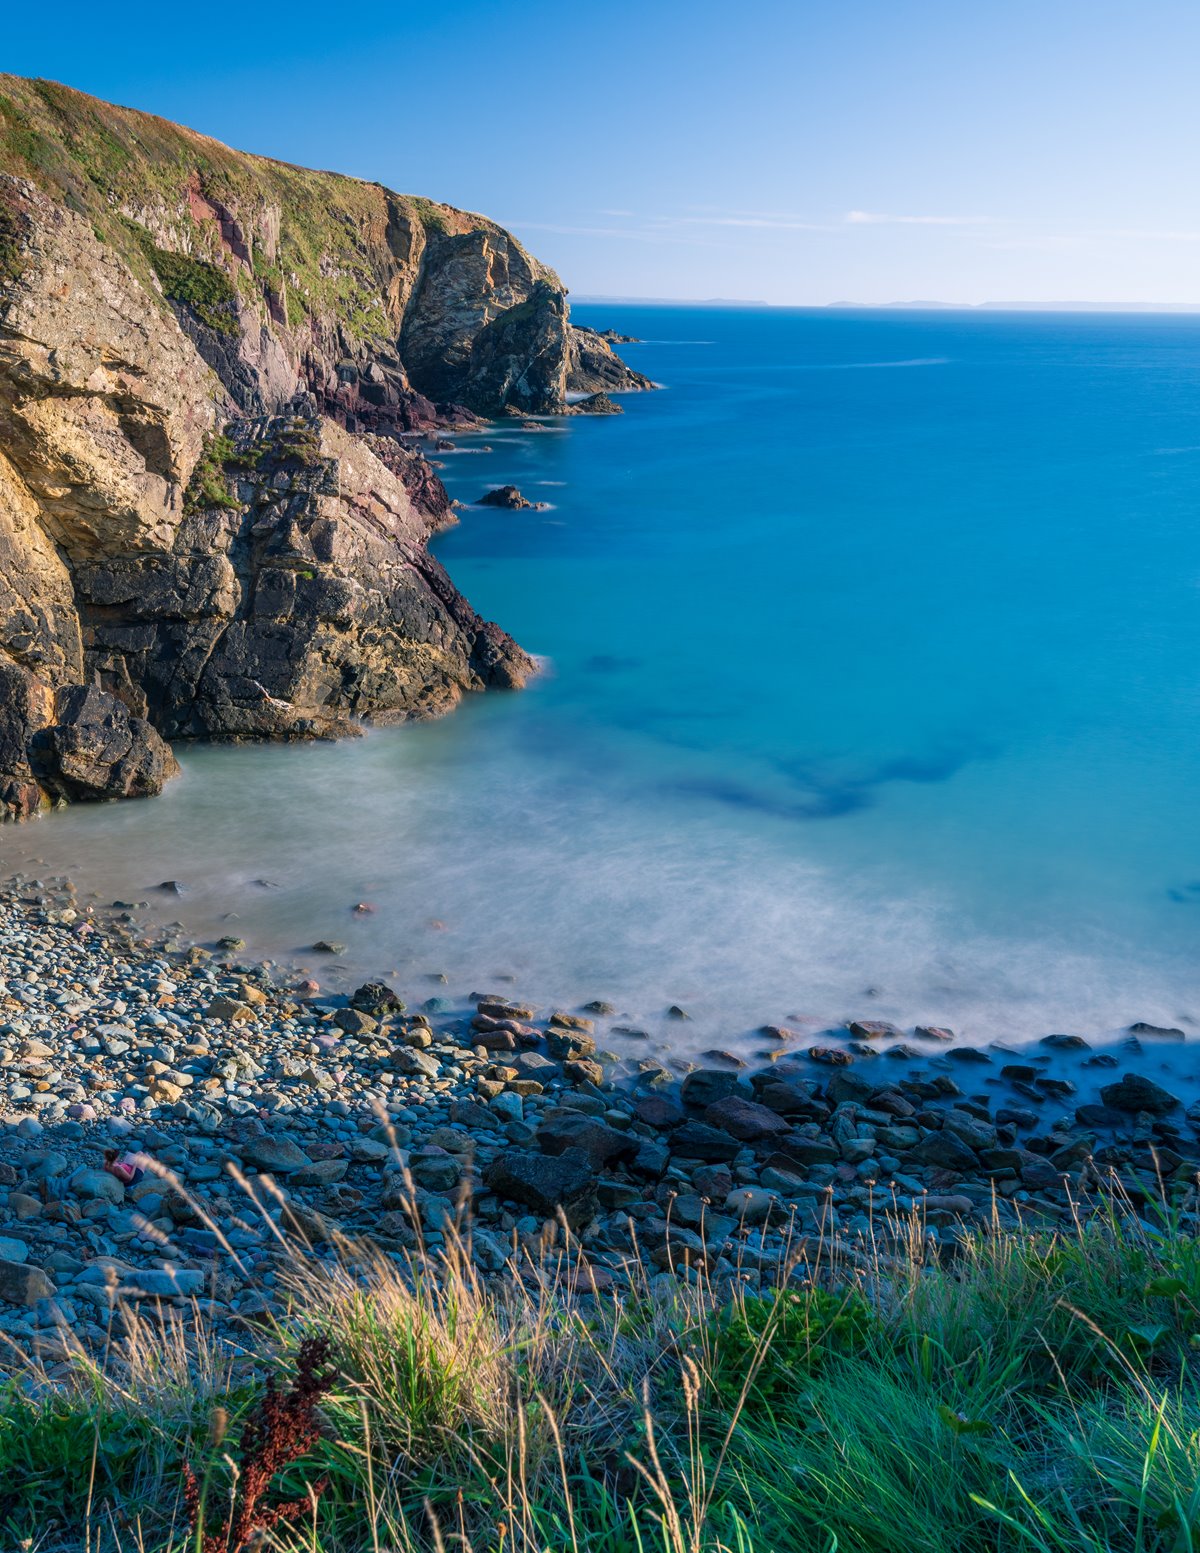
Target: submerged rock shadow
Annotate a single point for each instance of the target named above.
(818, 792)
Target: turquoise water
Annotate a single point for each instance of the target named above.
(872, 649)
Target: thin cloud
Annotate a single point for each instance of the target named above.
(652, 234)
(878, 218)
(761, 220)
(759, 223)
(1042, 241)
(1146, 236)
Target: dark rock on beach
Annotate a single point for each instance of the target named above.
(545, 1183)
(94, 749)
(567, 1130)
(1133, 1093)
(376, 998)
(699, 1140)
(874, 1030)
(745, 1120)
(1157, 1032)
(704, 1086)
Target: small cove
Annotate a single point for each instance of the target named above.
(871, 691)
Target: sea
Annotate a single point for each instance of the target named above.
(870, 688)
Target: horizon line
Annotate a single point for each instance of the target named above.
(1071, 305)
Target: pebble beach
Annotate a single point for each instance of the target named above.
(178, 1126)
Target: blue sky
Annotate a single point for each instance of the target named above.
(866, 150)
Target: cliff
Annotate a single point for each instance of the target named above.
(209, 516)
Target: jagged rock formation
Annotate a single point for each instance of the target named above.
(208, 517)
(296, 595)
(93, 748)
(595, 368)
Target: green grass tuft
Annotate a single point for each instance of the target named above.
(1035, 1392)
(210, 486)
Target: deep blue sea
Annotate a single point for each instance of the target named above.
(872, 655)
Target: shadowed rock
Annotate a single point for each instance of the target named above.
(508, 497)
(94, 749)
(1134, 1093)
(564, 1131)
(545, 1184)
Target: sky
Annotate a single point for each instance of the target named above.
(802, 153)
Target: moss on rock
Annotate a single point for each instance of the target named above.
(206, 291)
(209, 485)
(12, 261)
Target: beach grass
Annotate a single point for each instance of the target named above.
(1030, 1392)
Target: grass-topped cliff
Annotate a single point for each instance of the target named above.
(214, 224)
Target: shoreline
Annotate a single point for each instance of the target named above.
(374, 934)
(377, 1124)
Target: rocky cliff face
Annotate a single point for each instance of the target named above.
(595, 368)
(210, 516)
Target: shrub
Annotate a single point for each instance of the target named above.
(281, 1430)
(766, 1344)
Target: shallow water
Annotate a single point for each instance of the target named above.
(872, 654)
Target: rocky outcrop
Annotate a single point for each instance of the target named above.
(509, 498)
(93, 748)
(296, 596)
(595, 368)
(418, 477)
(594, 404)
(213, 519)
(520, 360)
(26, 707)
(77, 744)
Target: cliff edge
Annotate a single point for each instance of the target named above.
(213, 520)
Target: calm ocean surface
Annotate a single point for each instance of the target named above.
(873, 652)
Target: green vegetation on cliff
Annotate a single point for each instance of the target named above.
(203, 288)
(314, 244)
(11, 262)
(209, 485)
(293, 444)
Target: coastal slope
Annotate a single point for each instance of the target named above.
(214, 369)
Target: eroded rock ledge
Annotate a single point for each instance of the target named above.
(213, 516)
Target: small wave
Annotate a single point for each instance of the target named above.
(854, 366)
(1193, 447)
(863, 366)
